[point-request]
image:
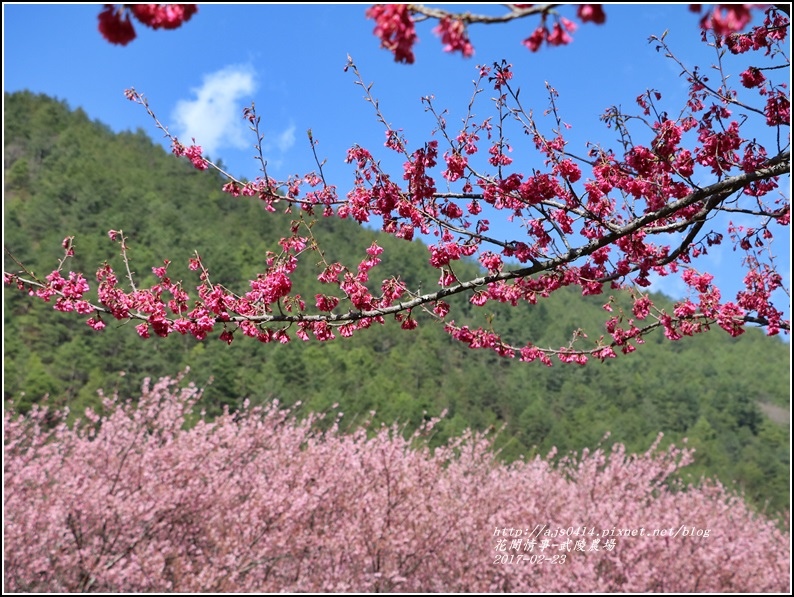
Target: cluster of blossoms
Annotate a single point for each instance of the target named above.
(725, 19)
(116, 27)
(560, 32)
(137, 500)
(454, 36)
(611, 220)
(765, 37)
(395, 26)
(192, 153)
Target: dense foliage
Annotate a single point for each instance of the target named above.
(255, 502)
(66, 173)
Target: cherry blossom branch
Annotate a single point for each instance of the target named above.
(250, 115)
(776, 167)
(625, 202)
(395, 26)
(125, 257)
(515, 12)
(702, 81)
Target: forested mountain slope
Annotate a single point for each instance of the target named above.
(66, 175)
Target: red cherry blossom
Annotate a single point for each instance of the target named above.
(115, 25)
(591, 13)
(165, 16)
(752, 77)
(727, 19)
(394, 25)
(454, 37)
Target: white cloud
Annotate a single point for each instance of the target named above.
(285, 140)
(214, 118)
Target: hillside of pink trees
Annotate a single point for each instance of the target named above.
(151, 496)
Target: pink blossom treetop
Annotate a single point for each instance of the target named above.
(150, 497)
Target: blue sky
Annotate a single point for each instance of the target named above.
(289, 60)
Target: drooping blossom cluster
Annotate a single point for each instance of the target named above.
(115, 25)
(192, 153)
(454, 37)
(395, 24)
(725, 18)
(117, 28)
(558, 35)
(609, 217)
(163, 16)
(135, 499)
